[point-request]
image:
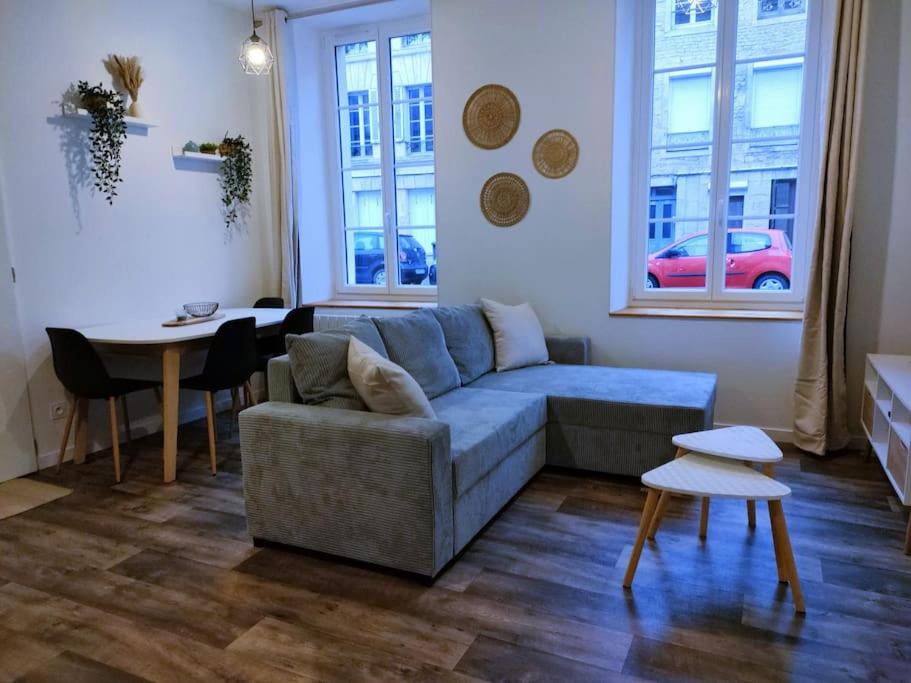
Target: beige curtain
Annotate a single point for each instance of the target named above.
(282, 178)
(820, 418)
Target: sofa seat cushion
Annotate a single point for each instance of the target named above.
(415, 342)
(485, 426)
(655, 401)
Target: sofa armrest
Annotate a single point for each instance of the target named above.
(281, 381)
(569, 350)
(371, 487)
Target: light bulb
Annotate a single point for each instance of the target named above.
(256, 55)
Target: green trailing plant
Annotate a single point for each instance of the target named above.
(236, 177)
(107, 135)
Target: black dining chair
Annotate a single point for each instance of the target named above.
(297, 321)
(269, 302)
(230, 363)
(82, 373)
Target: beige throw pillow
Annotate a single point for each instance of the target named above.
(517, 335)
(384, 386)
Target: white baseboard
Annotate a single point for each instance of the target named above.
(144, 426)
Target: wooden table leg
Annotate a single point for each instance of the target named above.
(170, 374)
(779, 552)
(647, 512)
(751, 514)
(704, 519)
(663, 500)
(81, 445)
(780, 529)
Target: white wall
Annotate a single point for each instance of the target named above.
(558, 58)
(163, 242)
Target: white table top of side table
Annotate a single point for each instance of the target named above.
(704, 476)
(737, 443)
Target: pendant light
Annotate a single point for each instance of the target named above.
(255, 56)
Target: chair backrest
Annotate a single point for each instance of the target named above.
(270, 302)
(77, 364)
(297, 321)
(232, 357)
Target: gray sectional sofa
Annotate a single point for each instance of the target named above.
(322, 473)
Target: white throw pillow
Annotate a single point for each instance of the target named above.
(517, 335)
(384, 386)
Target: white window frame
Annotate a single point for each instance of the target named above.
(382, 33)
(714, 295)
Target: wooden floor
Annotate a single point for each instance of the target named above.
(160, 582)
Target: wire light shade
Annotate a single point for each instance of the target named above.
(255, 56)
(695, 6)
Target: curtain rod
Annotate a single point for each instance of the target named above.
(350, 4)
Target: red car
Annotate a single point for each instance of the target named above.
(757, 258)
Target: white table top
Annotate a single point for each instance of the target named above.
(704, 475)
(737, 443)
(151, 331)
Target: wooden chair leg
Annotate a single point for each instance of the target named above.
(780, 529)
(663, 500)
(779, 553)
(210, 423)
(126, 419)
(704, 519)
(648, 512)
(70, 414)
(115, 437)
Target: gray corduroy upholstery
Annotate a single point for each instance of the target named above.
(370, 487)
(416, 342)
(410, 493)
(468, 338)
(485, 426)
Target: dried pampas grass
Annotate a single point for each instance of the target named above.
(128, 72)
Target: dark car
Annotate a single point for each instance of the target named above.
(369, 255)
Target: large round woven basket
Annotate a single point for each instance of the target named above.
(491, 116)
(555, 153)
(505, 199)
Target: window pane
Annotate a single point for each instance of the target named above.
(767, 96)
(410, 59)
(689, 103)
(682, 262)
(412, 93)
(355, 71)
(417, 257)
(365, 257)
(362, 195)
(415, 202)
(359, 136)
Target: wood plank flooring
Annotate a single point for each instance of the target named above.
(146, 581)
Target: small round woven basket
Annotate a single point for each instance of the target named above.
(491, 116)
(505, 199)
(555, 153)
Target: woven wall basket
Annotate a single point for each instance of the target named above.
(555, 153)
(504, 199)
(491, 116)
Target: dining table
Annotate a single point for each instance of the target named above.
(150, 337)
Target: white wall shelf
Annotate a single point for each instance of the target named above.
(131, 121)
(886, 419)
(178, 153)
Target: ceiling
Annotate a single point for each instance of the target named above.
(292, 6)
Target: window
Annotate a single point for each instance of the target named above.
(384, 117)
(777, 8)
(692, 12)
(721, 186)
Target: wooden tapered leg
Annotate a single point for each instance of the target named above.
(704, 519)
(780, 529)
(126, 419)
(659, 514)
(70, 413)
(170, 375)
(779, 553)
(210, 423)
(81, 445)
(115, 437)
(751, 513)
(648, 512)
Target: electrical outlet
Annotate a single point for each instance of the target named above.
(58, 410)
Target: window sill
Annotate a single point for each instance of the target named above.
(716, 313)
(373, 303)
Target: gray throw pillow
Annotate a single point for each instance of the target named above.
(468, 338)
(416, 342)
(319, 363)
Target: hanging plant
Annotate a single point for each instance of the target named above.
(106, 136)
(236, 178)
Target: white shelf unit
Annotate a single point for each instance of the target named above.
(131, 121)
(886, 419)
(179, 153)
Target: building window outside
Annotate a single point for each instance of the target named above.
(696, 13)
(387, 207)
(758, 116)
(778, 8)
